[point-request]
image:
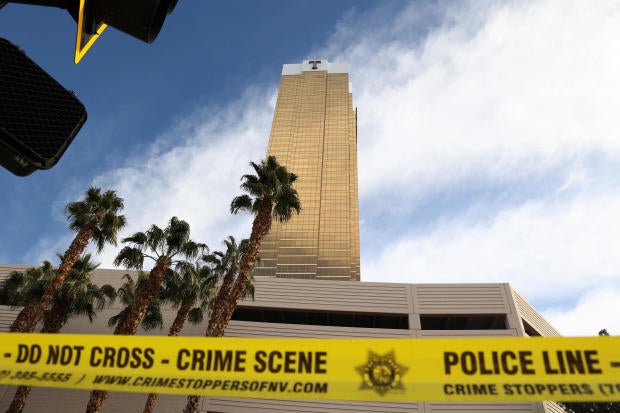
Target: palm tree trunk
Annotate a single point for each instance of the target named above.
(57, 316)
(129, 324)
(174, 331)
(53, 324)
(214, 329)
(226, 308)
(223, 295)
(260, 227)
(33, 313)
(192, 404)
(22, 317)
(97, 398)
(179, 320)
(19, 400)
(150, 403)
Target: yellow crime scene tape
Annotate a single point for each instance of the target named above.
(414, 369)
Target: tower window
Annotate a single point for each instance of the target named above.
(464, 322)
(322, 318)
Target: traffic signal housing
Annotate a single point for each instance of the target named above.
(142, 19)
(38, 117)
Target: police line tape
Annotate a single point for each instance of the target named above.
(413, 369)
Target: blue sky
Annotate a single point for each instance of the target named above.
(488, 136)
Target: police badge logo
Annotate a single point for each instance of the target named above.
(381, 373)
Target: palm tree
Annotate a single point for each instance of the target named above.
(126, 293)
(269, 195)
(96, 217)
(166, 247)
(227, 265)
(190, 290)
(77, 296)
(23, 289)
(27, 287)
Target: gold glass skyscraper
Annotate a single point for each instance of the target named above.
(314, 134)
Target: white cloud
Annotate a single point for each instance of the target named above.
(593, 312)
(503, 94)
(47, 248)
(505, 90)
(550, 250)
(192, 171)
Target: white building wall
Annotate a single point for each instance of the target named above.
(412, 300)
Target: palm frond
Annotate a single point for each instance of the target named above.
(139, 239)
(153, 317)
(241, 203)
(196, 315)
(114, 320)
(130, 258)
(100, 211)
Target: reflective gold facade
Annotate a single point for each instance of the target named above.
(314, 134)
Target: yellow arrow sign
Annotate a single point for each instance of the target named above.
(84, 40)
